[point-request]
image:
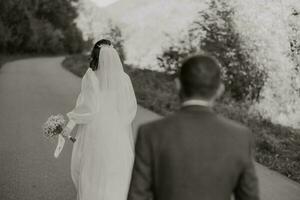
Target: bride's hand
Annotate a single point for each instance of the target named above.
(66, 132)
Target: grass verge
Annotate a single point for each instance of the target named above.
(4, 58)
(276, 147)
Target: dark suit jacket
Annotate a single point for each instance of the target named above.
(193, 155)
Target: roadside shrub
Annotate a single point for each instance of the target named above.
(72, 40)
(77, 64)
(151, 93)
(44, 38)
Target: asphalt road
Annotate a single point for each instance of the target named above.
(30, 91)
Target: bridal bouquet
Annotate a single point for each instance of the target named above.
(54, 126)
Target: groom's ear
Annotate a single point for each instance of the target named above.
(220, 91)
(178, 84)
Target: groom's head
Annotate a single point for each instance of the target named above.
(200, 77)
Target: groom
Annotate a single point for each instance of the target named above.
(194, 154)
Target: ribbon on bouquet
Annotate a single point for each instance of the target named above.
(61, 143)
(60, 146)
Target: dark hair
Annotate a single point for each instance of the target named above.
(94, 59)
(200, 75)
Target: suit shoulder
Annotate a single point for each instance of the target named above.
(233, 125)
(158, 124)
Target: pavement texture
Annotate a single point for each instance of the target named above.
(30, 91)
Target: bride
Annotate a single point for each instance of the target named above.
(103, 155)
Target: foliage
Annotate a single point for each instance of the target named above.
(77, 64)
(214, 31)
(172, 56)
(277, 147)
(151, 93)
(268, 30)
(39, 26)
(258, 45)
(294, 38)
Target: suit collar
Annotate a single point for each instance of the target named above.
(197, 109)
(197, 102)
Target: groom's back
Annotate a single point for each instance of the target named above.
(197, 155)
(194, 154)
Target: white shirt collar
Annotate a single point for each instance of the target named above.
(197, 102)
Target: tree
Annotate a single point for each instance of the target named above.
(39, 26)
(214, 31)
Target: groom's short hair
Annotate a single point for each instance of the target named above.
(200, 76)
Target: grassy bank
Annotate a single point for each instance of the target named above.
(7, 58)
(276, 147)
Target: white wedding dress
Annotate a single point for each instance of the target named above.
(102, 156)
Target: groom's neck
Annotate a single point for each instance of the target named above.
(197, 98)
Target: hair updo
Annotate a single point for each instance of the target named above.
(94, 59)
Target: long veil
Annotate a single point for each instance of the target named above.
(115, 85)
(107, 91)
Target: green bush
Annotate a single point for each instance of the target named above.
(154, 95)
(44, 38)
(77, 64)
(72, 40)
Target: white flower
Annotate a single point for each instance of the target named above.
(53, 126)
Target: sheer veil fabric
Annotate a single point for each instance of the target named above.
(102, 156)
